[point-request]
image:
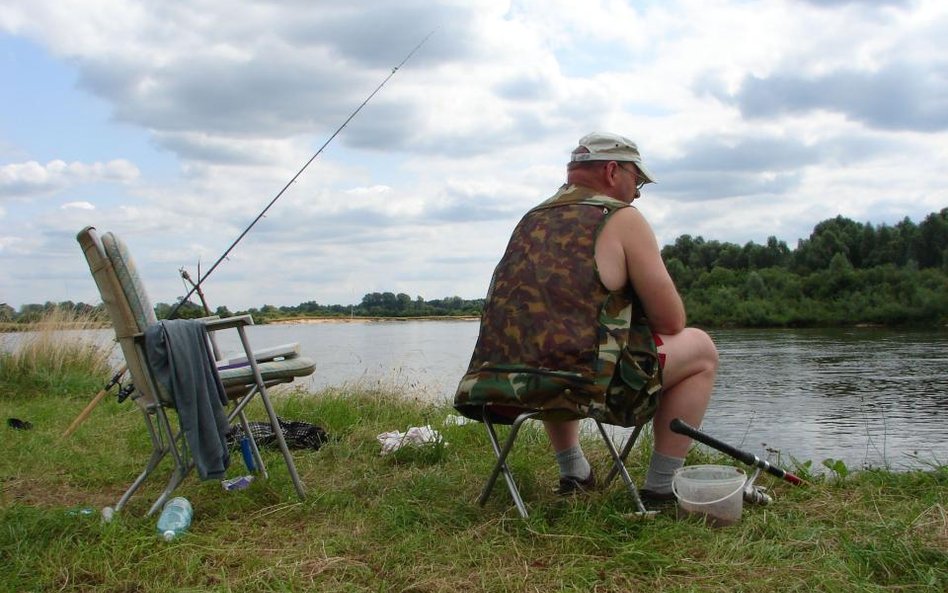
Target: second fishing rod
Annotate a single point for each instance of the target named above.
(201, 279)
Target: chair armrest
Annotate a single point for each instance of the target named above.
(228, 323)
(283, 352)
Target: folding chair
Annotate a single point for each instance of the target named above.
(252, 374)
(492, 414)
(623, 391)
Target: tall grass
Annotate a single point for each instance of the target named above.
(53, 355)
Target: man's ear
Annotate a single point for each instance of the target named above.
(609, 173)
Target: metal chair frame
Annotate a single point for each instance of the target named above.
(165, 439)
(502, 451)
(240, 389)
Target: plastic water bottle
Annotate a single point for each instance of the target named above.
(248, 455)
(175, 518)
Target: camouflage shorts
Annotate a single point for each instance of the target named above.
(629, 399)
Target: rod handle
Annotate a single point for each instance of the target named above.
(677, 425)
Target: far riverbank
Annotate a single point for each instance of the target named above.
(10, 327)
(357, 319)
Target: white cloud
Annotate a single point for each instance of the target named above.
(77, 206)
(747, 111)
(6, 241)
(24, 180)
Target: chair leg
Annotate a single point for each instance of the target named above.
(179, 456)
(501, 465)
(274, 421)
(158, 451)
(626, 449)
(178, 476)
(619, 466)
(182, 461)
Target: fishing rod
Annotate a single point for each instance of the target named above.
(677, 425)
(298, 173)
(95, 402)
(187, 278)
(207, 309)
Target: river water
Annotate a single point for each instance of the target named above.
(869, 397)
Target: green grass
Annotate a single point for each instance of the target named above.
(409, 521)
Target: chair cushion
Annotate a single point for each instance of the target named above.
(291, 350)
(274, 370)
(131, 282)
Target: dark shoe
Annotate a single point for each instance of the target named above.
(17, 424)
(657, 500)
(570, 485)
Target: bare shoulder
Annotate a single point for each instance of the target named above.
(630, 226)
(628, 215)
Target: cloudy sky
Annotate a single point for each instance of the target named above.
(174, 123)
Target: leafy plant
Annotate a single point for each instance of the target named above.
(837, 466)
(803, 469)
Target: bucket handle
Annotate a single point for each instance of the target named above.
(739, 488)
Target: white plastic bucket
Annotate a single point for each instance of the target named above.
(713, 491)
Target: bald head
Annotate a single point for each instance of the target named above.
(608, 178)
(591, 174)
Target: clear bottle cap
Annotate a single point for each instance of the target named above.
(168, 535)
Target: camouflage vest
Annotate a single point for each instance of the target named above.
(552, 337)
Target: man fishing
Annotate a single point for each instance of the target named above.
(582, 315)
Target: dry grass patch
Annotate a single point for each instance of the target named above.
(53, 355)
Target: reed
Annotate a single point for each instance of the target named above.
(54, 354)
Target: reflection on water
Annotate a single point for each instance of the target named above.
(869, 397)
(866, 396)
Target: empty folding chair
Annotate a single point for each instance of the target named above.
(241, 379)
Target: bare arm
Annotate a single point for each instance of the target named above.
(627, 249)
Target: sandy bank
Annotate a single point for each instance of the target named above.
(311, 320)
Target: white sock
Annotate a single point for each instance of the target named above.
(661, 470)
(573, 463)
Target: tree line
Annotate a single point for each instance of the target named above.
(844, 273)
(375, 304)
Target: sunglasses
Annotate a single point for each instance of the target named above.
(640, 183)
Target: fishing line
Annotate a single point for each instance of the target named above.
(298, 173)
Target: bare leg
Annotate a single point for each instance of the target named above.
(688, 378)
(563, 435)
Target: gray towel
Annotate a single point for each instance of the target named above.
(181, 361)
